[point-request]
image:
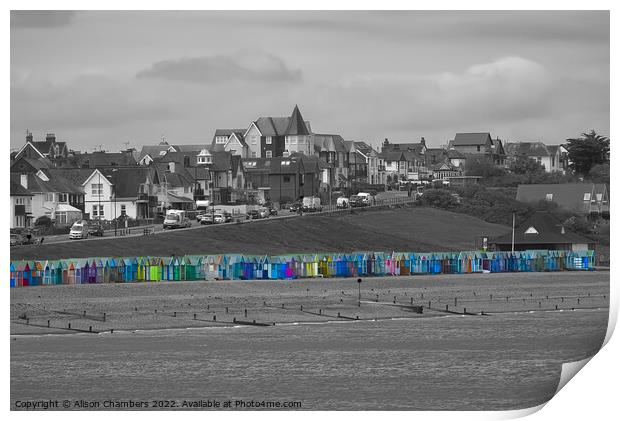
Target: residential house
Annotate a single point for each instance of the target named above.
(411, 159)
(111, 193)
(25, 164)
(20, 206)
(480, 145)
(332, 150)
(358, 165)
(52, 195)
(544, 231)
(230, 140)
(150, 153)
(49, 148)
(269, 137)
(220, 177)
(548, 156)
(588, 199)
(283, 179)
(445, 171)
(372, 161)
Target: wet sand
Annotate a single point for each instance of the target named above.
(163, 305)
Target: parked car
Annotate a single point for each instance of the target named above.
(295, 207)
(272, 211)
(264, 212)
(218, 218)
(227, 217)
(253, 214)
(16, 240)
(342, 203)
(95, 228)
(79, 230)
(207, 219)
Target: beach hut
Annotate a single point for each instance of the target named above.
(47, 274)
(13, 281)
(92, 272)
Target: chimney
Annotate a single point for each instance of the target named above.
(50, 138)
(171, 166)
(28, 136)
(23, 180)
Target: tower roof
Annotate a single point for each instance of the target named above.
(296, 124)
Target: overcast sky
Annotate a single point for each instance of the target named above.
(106, 78)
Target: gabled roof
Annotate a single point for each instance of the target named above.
(329, 143)
(497, 146)
(56, 183)
(393, 156)
(18, 190)
(468, 139)
(364, 148)
(454, 154)
(542, 228)
(23, 164)
(75, 175)
(418, 147)
(527, 149)
(127, 181)
(569, 195)
(296, 124)
(97, 159)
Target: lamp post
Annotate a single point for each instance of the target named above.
(359, 292)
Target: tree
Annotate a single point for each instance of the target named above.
(482, 167)
(526, 165)
(599, 173)
(586, 151)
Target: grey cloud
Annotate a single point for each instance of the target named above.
(244, 66)
(41, 18)
(89, 101)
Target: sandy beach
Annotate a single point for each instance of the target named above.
(164, 305)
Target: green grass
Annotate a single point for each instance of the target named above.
(407, 229)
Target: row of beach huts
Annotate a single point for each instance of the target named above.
(221, 267)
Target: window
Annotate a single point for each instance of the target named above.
(233, 152)
(62, 197)
(549, 197)
(286, 179)
(268, 140)
(586, 196)
(268, 154)
(49, 197)
(221, 139)
(61, 217)
(123, 210)
(97, 189)
(599, 197)
(95, 214)
(478, 148)
(253, 154)
(254, 140)
(101, 211)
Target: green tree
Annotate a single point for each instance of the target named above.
(599, 173)
(586, 151)
(526, 165)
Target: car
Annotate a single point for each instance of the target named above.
(272, 211)
(16, 240)
(263, 212)
(227, 217)
(95, 229)
(79, 230)
(253, 214)
(207, 219)
(295, 207)
(218, 218)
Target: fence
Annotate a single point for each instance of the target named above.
(236, 266)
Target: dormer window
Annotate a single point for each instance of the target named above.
(42, 175)
(586, 197)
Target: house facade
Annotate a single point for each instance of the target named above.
(20, 209)
(480, 145)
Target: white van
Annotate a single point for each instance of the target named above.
(79, 230)
(176, 219)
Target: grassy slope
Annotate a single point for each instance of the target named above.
(411, 229)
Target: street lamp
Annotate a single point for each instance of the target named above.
(359, 292)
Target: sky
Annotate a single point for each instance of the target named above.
(108, 80)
